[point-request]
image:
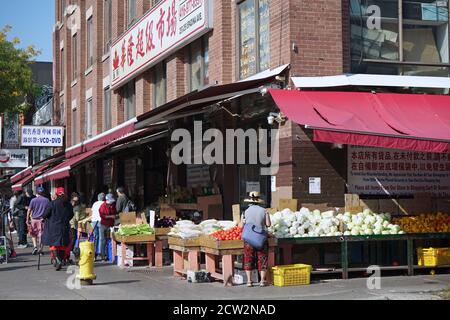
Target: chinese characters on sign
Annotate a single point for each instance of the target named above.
(397, 172)
(14, 158)
(42, 136)
(11, 136)
(163, 30)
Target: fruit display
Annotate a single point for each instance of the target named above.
(186, 229)
(226, 235)
(425, 223)
(306, 223)
(135, 230)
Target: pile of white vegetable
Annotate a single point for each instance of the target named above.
(186, 229)
(304, 223)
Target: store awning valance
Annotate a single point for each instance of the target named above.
(102, 139)
(196, 100)
(28, 179)
(62, 170)
(22, 174)
(397, 121)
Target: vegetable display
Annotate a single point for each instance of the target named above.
(425, 223)
(186, 229)
(231, 234)
(304, 223)
(134, 230)
(165, 223)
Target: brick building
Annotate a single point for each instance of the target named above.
(242, 40)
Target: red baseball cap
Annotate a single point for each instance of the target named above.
(60, 191)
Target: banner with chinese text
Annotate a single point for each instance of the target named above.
(40, 136)
(167, 27)
(376, 171)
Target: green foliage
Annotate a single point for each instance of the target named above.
(16, 77)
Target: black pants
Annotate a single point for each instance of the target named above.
(22, 229)
(73, 238)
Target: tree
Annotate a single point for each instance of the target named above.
(16, 77)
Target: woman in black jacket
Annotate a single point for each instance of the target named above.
(57, 227)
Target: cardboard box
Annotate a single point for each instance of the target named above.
(373, 205)
(129, 255)
(291, 204)
(352, 200)
(128, 218)
(167, 211)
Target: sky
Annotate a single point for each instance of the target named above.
(32, 22)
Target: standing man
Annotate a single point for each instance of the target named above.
(122, 200)
(36, 211)
(21, 214)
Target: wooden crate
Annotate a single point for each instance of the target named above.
(174, 241)
(134, 239)
(162, 231)
(210, 242)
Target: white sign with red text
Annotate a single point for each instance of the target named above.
(17, 158)
(163, 30)
(376, 171)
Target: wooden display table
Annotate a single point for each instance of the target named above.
(185, 249)
(228, 257)
(147, 240)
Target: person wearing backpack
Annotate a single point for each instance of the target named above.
(122, 201)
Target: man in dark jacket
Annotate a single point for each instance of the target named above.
(57, 227)
(21, 215)
(122, 200)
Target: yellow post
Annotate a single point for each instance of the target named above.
(87, 257)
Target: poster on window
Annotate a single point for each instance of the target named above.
(169, 26)
(197, 175)
(376, 171)
(11, 131)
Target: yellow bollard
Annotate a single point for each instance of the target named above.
(87, 258)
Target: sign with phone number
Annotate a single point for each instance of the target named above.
(33, 136)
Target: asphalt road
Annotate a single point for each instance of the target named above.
(20, 279)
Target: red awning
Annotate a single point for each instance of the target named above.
(102, 139)
(22, 174)
(399, 121)
(28, 179)
(62, 170)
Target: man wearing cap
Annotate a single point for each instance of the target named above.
(57, 227)
(36, 210)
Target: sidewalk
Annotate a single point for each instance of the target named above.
(20, 279)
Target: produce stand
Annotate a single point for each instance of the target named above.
(160, 243)
(147, 240)
(226, 252)
(288, 244)
(182, 249)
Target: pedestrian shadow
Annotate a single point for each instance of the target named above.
(14, 268)
(116, 282)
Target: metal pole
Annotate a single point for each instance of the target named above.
(410, 254)
(344, 258)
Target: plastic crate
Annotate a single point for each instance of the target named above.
(292, 275)
(432, 257)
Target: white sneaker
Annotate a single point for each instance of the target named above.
(22, 246)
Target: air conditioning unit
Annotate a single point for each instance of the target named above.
(71, 9)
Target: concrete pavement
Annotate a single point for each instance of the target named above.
(20, 279)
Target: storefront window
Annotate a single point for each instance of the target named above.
(253, 37)
(130, 100)
(198, 64)
(387, 40)
(159, 85)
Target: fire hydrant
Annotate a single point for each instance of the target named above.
(87, 258)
